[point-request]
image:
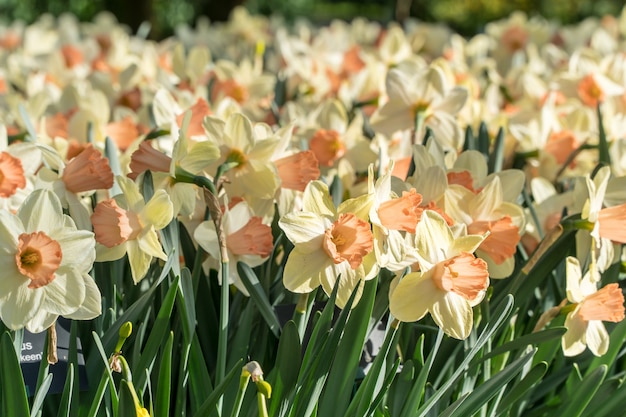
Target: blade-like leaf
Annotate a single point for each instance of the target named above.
(14, 396)
(252, 284)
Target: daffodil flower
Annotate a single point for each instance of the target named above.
(46, 262)
(127, 224)
(593, 306)
(248, 240)
(450, 282)
(330, 244)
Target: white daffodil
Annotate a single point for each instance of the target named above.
(450, 282)
(330, 244)
(248, 240)
(46, 262)
(593, 306)
(127, 224)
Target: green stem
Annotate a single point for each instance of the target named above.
(243, 384)
(223, 331)
(300, 315)
(420, 117)
(262, 405)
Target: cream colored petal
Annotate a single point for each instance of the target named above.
(333, 116)
(359, 206)
(238, 131)
(473, 162)
(304, 229)
(131, 193)
(158, 212)
(261, 180)
(487, 200)
(214, 128)
(78, 248)
(149, 243)
(302, 270)
(92, 304)
(42, 211)
(512, 181)
(139, 261)
(104, 254)
(413, 297)
(19, 306)
(573, 275)
(467, 243)
(573, 341)
(393, 116)
(316, 199)
(597, 337)
(41, 321)
(66, 293)
(497, 271)
(454, 101)
(200, 156)
(433, 237)
(454, 315)
(264, 149)
(206, 236)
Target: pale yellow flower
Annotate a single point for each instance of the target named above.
(330, 244)
(450, 282)
(593, 306)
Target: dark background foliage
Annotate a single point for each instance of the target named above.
(465, 16)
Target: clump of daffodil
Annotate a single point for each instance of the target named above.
(127, 224)
(46, 262)
(330, 243)
(450, 280)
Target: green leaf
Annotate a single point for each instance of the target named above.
(375, 375)
(211, 401)
(470, 140)
(499, 317)
(14, 396)
(107, 370)
(340, 383)
(483, 139)
(66, 398)
(417, 392)
(40, 395)
(164, 387)
(200, 385)
(127, 406)
(186, 304)
(496, 157)
(523, 341)
(522, 387)
(285, 373)
(613, 406)
(252, 284)
(159, 329)
(490, 388)
(578, 401)
(603, 146)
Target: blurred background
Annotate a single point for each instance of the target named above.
(464, 16)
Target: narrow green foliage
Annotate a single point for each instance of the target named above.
(68, 393)
(14, 397)
(578, 401)
(252, 284)
(164, 387)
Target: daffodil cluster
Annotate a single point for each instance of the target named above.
(357, 139)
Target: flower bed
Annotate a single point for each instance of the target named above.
(408, 222)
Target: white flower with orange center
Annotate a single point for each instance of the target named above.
(450, 282)
(18, 164)
(253, 174)
(330, 244)
(592, 307)
(422, 93)
(126, 224)
(488, 211)
(248, 240)
(46, 262)
(87, 172)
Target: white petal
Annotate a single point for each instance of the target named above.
(206, 236)
(41, 321)
(238, 131)
(573, 276)
(573, 341)
(597, 337)
(65, 293)
(159, 211)
(303, 270)
(42, 211)
(139, 261)
(316, 199)
(413, 297)
(454, 315)
(19, 306)
(92, 304)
